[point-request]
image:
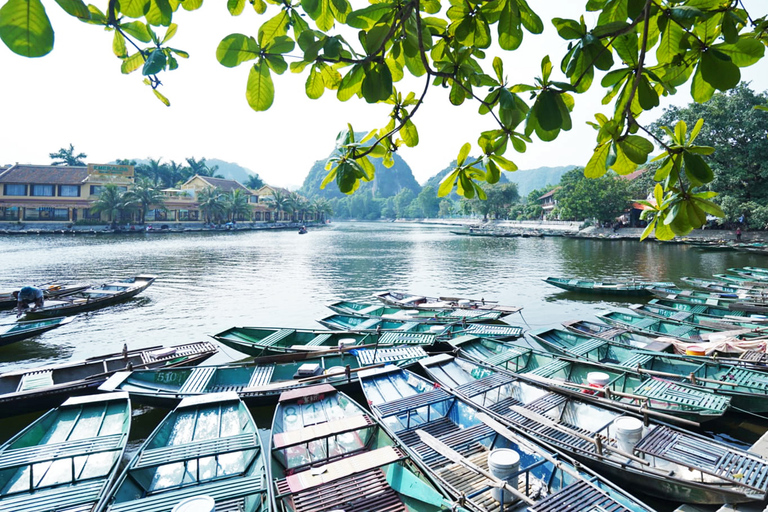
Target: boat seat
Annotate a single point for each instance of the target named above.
(261, 376)
(485, 384)
(681, 316)
(506, 356)
(747, 377)
(588, 346)
(368, 323)
(197, 450)
(84, 494)
(360, 493)
(666, 391)
(197, 380)
(35, 380)
(219, 490)
(368, 310)
(341, 469)
(318, 340)
(408, 403)
(407, 326)
(546, 402)
(289, 438)
(636, 360)
(611, 333)
(493, 330)
(80, 447)
(712, 458)
(755, 356)
(389, 354)
(408, 338)
(578, 496)
(276, 337)
(549, 369)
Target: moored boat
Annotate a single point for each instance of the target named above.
(697, 319)
(50, 291)
(345, 307)
(464, 448)
(207, 446)
(360, 323)
(705, 309)
(66, 459)
(362, 468)
(42, 387)
(95, 297)
(259, 382)
(17, 331)
(618, 288)
(411, 301)
(649, 456)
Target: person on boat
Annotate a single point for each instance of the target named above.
(302, 230)
(28, 295)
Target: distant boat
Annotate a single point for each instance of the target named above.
(17, 331)
(411, 301)
(67, 459)
(622, 288)
(92, 298)
(345, 307)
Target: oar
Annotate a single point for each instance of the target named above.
(408, 484)
(454, 456)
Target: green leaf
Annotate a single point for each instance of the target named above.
(596, 166)
(697, 170)
(351, 83)
(568, 29)
(410, 134)
(138, 30)
(375, 38)
(502, 162)
(718, 70)
(530, 19)
(549, 116)
(134, 8)
(155, 63)
(235, 7)
(701, 90)
(329, 178)
(646, 95)
(314, 84)
(25, 28)
(709, 207)
(118, 45)
(696, 130)
(745, 52)
(510, 33)
(280, 44)
(447, 184)
(131, 63)
(377, 82)
(273, 28)
(159, 13)
(367, 17)
(260, 91)
(75, 8)
(172, 28)
(236, 49)
(162, 98)
(636, 148)
(463, 153)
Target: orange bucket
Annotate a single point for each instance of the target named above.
(695, 350)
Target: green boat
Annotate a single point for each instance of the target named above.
(345, 307)
(656, 327)
(17, 331)
(747, 388)
(67, 459)
(260, 382)
(749, 273)
(697, 319)
(208, 446)
(693, 296)
(624, 387)
(360, 323)
(263, 341)
(647, 456)
(703, 309)
(616, 288)
(328, 453)
(462, 447)
(619, 335)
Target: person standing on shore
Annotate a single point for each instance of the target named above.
(27, 296)
(738, 233)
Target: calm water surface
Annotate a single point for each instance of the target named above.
(209, 282)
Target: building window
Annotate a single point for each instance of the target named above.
(46, 214)
(96, 190)
(189, 215)
(9, 213)
(157, 215)
(15, 190)
(257, 216)
(42, 190)
(254, 199)
(69, 191)
(89, 215)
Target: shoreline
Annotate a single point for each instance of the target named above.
(142, 230)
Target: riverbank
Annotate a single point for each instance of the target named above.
(149, 229)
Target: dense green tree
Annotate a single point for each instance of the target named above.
(499, 200)
(254, 182)
(236, 205)
(154, 170)
(201, 168)
(281, 202)
(147, 195)
(428, 202)
(402, 201)
(67, 156)
(212, 204)
(445, 210)
(740, 132)
(115, 203)
(603, 198)
(322, 208)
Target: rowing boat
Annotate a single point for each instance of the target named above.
(693, 296)
(721, 311)
(747, 388)
(617, 288)
(696, 319)
(50, 291)
(463, 448)
(328, 453)
(261, 341)
(655, 326)
(346, 307)
(260, 382)
(95, 297)
(361, 323)
(43, 387)
(17, 331)
(207, 446)
(648, 455)
(410, 301)
(66, 459)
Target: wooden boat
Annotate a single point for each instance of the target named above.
(655, 326)
(747, 388)
(362, 467)
(361, 323)
(345, 307)
(705, 309)
(619, 335)
(692, 296)
(260, 382)
(750, 274)
(95, 297)
(50, 291)
(691, 318)
(658, 459)
(410, 301)
(618, 288)
(261, 341)
(740, 281)
(722, 285)
(758, 270)
(66, 459)
(484, 349)
(43, 387)
(17, 331)
(460, 445)
(208, 446)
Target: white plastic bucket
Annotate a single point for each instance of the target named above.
(201, 503)
(598, 378)
(436, 329)
(503, 463)
(347, 342)
(629, 431)
(411, 312)
(464, 302)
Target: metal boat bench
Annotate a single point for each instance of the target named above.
(323, 430)
(197, 380)
(667, 391)
(360, 493)
(579, 496)
(197, 450)
(85, 494)
(46, 452)
(318, 340)
(410, 403)
(406, 338)
(276, 337)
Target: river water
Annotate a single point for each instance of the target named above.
(208, 282)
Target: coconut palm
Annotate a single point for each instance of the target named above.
(280, 202)
(236, 204)
(201, 168)
(298, 206)
(115, 203)
(177, 173)
(254, 182)
(68, 157)
(212, 204)
(147, 195)
(321, 208)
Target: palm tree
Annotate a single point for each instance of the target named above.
(236, 203)
(254, 182)
(322, 208)
(115, 203)
(280, 202)
(298, 206)
(147, 195)
(212, 206)
(68, 157)
(201, 168)
(176, 173)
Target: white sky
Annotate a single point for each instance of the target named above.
(77, 95)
